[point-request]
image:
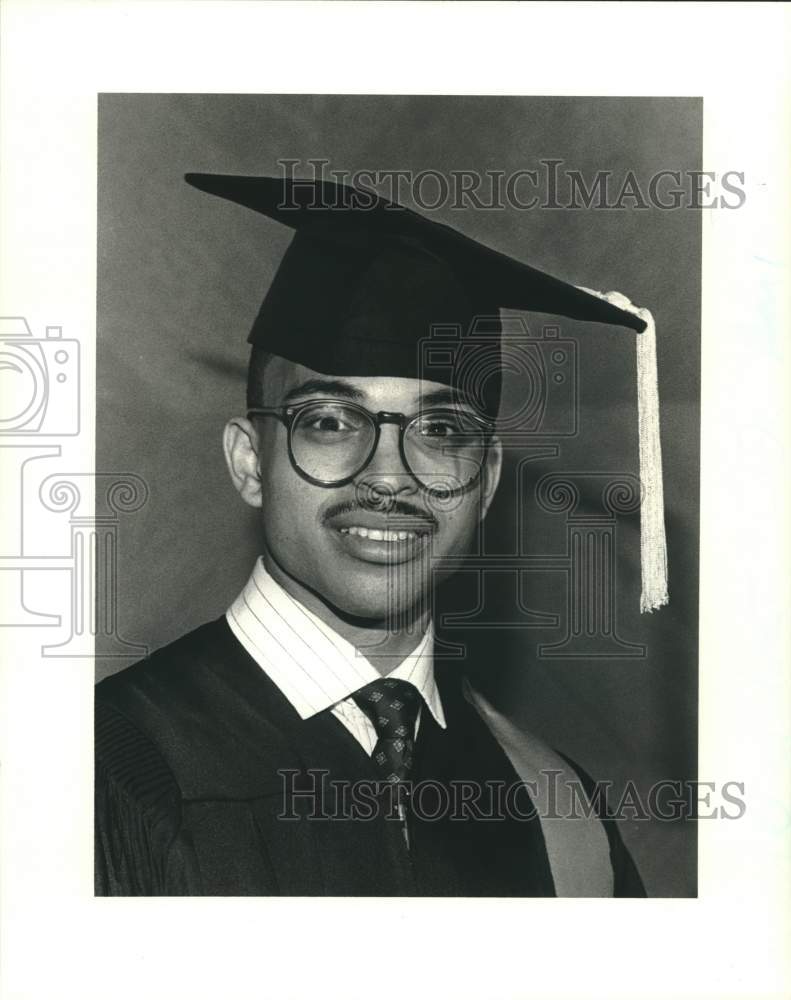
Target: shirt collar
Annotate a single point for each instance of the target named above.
(313, 666)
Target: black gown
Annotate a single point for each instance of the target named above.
(209, 783)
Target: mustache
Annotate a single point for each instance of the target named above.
(381, 504)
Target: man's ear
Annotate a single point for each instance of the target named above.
(240, 444)
(491, 475)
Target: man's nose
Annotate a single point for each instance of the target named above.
(386, 477)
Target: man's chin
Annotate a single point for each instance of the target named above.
(366, 594)
(380, 613)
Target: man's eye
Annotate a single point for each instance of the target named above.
(330, 425)
(439, 428)
(442, 426)
(327, 424)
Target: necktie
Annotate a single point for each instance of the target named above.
(392, 706)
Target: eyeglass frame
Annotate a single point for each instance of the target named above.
(288, 415)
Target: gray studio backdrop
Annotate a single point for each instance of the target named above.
(180, 278)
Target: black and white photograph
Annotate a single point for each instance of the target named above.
(394, 435)
(400, 377)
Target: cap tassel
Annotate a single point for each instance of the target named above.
(653, 544)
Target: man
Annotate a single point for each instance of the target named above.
(307, 743)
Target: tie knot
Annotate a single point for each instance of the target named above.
(391, 705)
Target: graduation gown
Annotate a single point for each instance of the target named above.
(208, 782)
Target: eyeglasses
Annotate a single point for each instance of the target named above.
(332, 442)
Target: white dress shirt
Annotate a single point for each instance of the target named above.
(314, 667)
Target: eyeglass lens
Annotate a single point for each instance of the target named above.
(331, 442)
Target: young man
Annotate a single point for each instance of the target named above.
(306, 743)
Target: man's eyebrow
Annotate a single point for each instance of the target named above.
(441, 397)
(324, 387)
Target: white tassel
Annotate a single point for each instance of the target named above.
(653, 544)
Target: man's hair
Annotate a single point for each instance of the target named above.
(259, 359)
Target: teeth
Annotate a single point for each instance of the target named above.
(379, 535)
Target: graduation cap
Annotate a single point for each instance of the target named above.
(364, 282)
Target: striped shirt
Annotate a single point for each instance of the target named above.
(314, 667)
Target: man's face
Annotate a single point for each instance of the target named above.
(366, 548)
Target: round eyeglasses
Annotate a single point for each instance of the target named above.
(330, 442)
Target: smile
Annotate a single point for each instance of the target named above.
(380, 535)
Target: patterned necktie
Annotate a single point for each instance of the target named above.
(392, 706)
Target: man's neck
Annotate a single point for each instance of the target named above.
(378, 642)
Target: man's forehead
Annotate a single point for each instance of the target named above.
(284, 378)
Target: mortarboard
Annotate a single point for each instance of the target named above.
(364, 282)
